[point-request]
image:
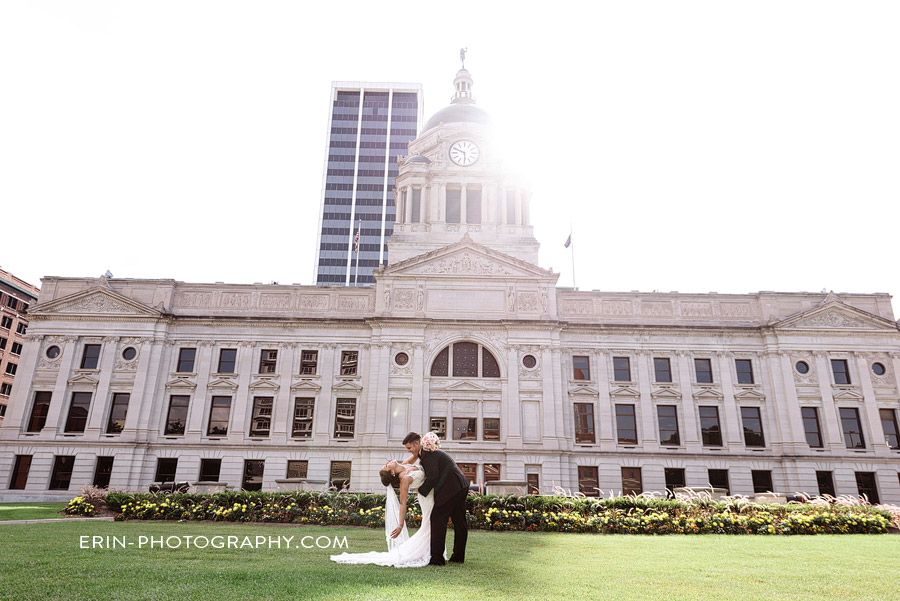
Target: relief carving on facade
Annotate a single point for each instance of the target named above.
(736, 310)
(466, 263)
(404, 299)
(657, 309)
(617, 308)
(528, 302)
(572, 306)
(353, 303)
(97, 303)
(696, 310)
(832, 319)
(122, 365)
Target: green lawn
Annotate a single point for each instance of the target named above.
(44, 561)
(31, 511)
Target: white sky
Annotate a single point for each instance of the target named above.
(694, 146)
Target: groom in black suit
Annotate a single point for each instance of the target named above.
(450, 490)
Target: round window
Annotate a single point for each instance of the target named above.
(53, 352)
(129, 353)
(401, 358)
(802, 367)
(529, 361)
(878, 369)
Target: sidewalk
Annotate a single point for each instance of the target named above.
(106, 519)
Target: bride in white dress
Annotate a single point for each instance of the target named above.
(404, 551)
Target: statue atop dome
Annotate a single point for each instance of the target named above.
(462, 56)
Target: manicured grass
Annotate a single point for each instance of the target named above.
(44, 561)
(31, 511)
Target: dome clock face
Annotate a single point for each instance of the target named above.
(464, 153)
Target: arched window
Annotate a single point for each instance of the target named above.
(465, 360)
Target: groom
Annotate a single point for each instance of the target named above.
(450, 490)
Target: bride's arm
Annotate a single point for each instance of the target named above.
(410, 459)
(404, 495)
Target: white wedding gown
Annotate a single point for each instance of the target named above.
(405, 551)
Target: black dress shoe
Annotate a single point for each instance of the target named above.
(434, 562)
(454, 559)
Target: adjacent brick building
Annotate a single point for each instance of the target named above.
(15, 297)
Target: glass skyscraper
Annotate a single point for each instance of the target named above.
(370, 124)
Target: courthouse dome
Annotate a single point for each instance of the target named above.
(462, 107)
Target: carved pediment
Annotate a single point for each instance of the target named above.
(584, 391)
(305, 386)
(347, 387)
(749, 395)
(266, 385)
(625, 391)
(96, 301)
(466, 385)
(181, 383)
(708, 394)
(223, 384)
(467, 258)
(83, 380)
(847, 395)
(835, 314)
(666, 394)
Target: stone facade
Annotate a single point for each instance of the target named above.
(306, 385)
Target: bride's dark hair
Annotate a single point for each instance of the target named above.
(388, 478)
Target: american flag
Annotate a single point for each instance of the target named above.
(568, 241)
(356, 242)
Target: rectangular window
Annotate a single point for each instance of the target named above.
(253, 474)
(5, 389)
(21, 468)
(534, 483)
(268, 358)
(584, 423)
(439, 427)
(811, 427)
(889, 425)
(39, 411)
(581, 367)
(464, 428)
(453, 205)
(303, 417)
(210, 469)
(349, 362)
(709, 426)
(117, 413)
(6, 322)
(177, 416)
(345, 418)
(840, 371)
(853, 436)
(20, 329)
(588, 480)
(2, 343)
(491, 472)
(91, 356)
(78, 412)
(753, 430)
(491, 429)
(309, 360)
(631, 481)
(165, 469)
(227, 361)
(186, 358)
(297, 469)
(219, 416)
(470, 471)
(825, 481)
(719, 479)
(744, 369)
(762, 481)
(16, 348)
(416, 205)
(473, 206)
(261, 419)
(668, 425)
(674, 479)
(11, 302)
(867, 486)
(662, 369)
(11, 369)
(703, 368)
(62, 472)
(340, 475)
(103, 471)
(621, 369)
(626, 426)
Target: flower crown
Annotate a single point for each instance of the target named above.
(431, 442)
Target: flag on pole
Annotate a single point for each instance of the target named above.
(568, 241)
(356, 242)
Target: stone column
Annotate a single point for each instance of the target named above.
(246, 360)
(142, 380)
(552, 423)
(647, 439)
(324, 404)
(418, 420)
(785, 407)
(408, 202)
(504, 192)
(282, 403)
(606, 431)
(834, 440)
(518, 206)
(689, 415)
(441, 203)
(197, 408)
(149, 403)
(870, 406)
(733, 422)
(100, 399)
(512, 414)
(462, 205)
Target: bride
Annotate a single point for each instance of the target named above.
(404, 551)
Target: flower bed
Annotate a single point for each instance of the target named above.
(619, 515)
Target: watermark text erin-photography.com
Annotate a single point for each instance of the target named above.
(215, 542)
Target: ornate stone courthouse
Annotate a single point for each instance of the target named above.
(127, 382)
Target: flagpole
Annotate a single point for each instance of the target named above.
(356, 251)
(572, 244)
